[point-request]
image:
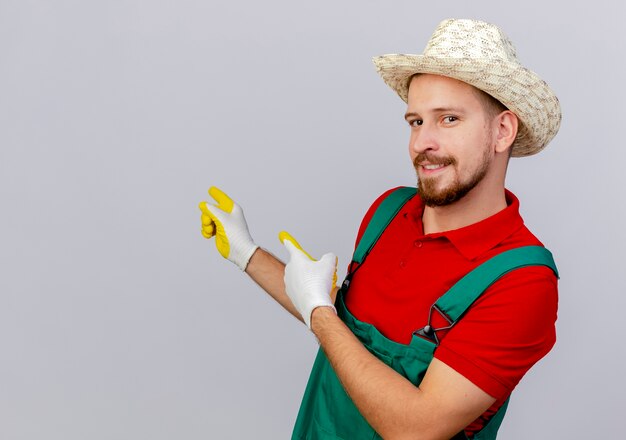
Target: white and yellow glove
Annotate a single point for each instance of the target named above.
(308, 282)
(227, 222)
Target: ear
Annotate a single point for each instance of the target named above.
(506, 130)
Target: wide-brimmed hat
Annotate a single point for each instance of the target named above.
(479, 54)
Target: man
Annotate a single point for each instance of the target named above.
(451, 298)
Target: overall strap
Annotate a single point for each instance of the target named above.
(385, 212)
(461, 296)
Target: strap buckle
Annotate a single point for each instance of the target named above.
(428, 331)
(346, 282)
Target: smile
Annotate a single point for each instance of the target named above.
(433, 167)
(429, 169)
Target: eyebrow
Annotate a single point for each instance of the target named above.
(408, 115)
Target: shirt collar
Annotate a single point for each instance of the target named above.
(475, 239)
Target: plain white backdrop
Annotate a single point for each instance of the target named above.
(119, 321)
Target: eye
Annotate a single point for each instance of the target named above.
(450, 119)
(416, 122)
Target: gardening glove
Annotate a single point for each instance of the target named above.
(308, 282)
(225, 220)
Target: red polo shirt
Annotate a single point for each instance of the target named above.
(507, 330)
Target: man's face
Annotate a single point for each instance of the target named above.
(451, 142)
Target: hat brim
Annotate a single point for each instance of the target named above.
(519, 89)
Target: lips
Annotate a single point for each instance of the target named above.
(431, 169)
(430, 162)
(433, 166)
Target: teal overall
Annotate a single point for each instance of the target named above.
(327, 412)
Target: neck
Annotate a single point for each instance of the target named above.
(477, 205)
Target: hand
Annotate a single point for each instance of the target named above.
(227, 222)
(308, 282)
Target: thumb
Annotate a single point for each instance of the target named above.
(224, 202)
(330, 260)
(293, 251)
(292, 245)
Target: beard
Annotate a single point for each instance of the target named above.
(433, 196)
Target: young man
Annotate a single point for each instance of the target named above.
(450, 299)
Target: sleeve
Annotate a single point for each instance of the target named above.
(505, 332)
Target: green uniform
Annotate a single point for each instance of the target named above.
(327, 412)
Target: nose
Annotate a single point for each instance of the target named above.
(423, 138)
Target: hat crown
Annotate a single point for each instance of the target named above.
(480, 55)
(456, 38)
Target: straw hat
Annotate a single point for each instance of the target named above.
(479, 54)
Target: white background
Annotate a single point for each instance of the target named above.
(119, 321)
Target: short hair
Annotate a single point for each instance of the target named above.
(491, 105)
